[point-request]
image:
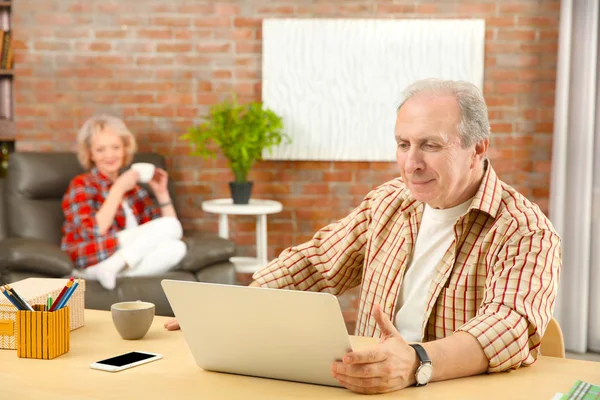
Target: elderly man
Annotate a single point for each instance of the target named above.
(458, 271)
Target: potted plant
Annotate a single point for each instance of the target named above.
(242, 132)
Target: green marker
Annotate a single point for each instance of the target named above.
(49, 304)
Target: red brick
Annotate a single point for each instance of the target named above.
(188, 35)
(544, 127)
(483, 8)
(519, 7)
(507, 60)
(387, 8)
(173, 47)
(500, 22)
(248, 48)
(517, 34)
(200, 9)
(502, 47)
(497, 74)
(153, 33)
(241, 22)
(208, 21)
(154, 60)
(337, 176)
(204, 48)
(501, 128)
(51, 46)
(222, 74)
(427, 8)
(355, 9)
(513, 87)
(277, 10)
(178, 22)
(120, 34)
(542, 47)
(155, 111)
(539, 22)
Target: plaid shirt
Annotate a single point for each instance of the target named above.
(497, 281)
(82, 200)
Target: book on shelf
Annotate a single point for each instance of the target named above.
(6, 46)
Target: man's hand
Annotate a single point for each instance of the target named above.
(172, 325)
(387, 367)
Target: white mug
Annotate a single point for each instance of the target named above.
(146, 171)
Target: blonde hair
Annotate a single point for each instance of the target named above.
(97, 124)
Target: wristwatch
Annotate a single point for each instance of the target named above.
(425, 369)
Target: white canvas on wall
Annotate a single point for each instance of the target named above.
(337, 82)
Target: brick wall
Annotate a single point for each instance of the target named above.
(160, 64)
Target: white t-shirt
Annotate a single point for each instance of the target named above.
(130, 221)
(435, 236)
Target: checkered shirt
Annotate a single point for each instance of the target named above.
(84, 197)
(498, 280)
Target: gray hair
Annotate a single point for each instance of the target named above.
(474, 124)
(100, 123)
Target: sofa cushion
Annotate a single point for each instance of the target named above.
(34, 255)
(205, 249)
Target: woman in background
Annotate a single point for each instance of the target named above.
(112, 227)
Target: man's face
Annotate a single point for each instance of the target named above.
(434, 165)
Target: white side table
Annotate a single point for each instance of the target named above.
(260, 208)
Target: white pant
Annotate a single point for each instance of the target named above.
(151, 248)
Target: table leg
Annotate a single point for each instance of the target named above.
(261, 238)
(223, 226)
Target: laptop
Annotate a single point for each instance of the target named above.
(269, 333)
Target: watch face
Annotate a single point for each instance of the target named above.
(424, 374)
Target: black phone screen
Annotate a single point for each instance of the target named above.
(126, 358)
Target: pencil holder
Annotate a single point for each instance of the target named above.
(43, 334)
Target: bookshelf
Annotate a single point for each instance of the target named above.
(7, 124)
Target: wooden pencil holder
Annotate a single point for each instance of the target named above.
(42, 334)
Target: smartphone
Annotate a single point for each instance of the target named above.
(124, 361)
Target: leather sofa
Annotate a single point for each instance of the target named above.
(31, 219)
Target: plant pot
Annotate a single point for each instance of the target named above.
(240, 192)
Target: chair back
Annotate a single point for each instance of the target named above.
(553, 344)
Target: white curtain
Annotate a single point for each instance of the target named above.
(575, 188)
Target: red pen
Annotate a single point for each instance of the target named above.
(62, 293)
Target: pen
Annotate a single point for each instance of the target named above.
(62, 293)
(49, 303)
(67, 296)
(19, 299)
(10, 298)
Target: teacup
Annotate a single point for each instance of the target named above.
(132, 318)
(146, 171)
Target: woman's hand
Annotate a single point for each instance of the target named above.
(159, 182)
(126, 181)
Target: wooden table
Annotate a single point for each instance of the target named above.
(177, 376)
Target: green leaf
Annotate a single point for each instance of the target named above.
(241, 132)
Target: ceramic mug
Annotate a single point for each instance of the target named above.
(132, 318)
(146, 171)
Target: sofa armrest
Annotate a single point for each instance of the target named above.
(205, 249)
(34, 255)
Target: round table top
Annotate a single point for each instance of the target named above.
(255, 207)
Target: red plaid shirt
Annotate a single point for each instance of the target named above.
(82, 200)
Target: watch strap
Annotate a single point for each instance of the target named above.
(421, 353)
